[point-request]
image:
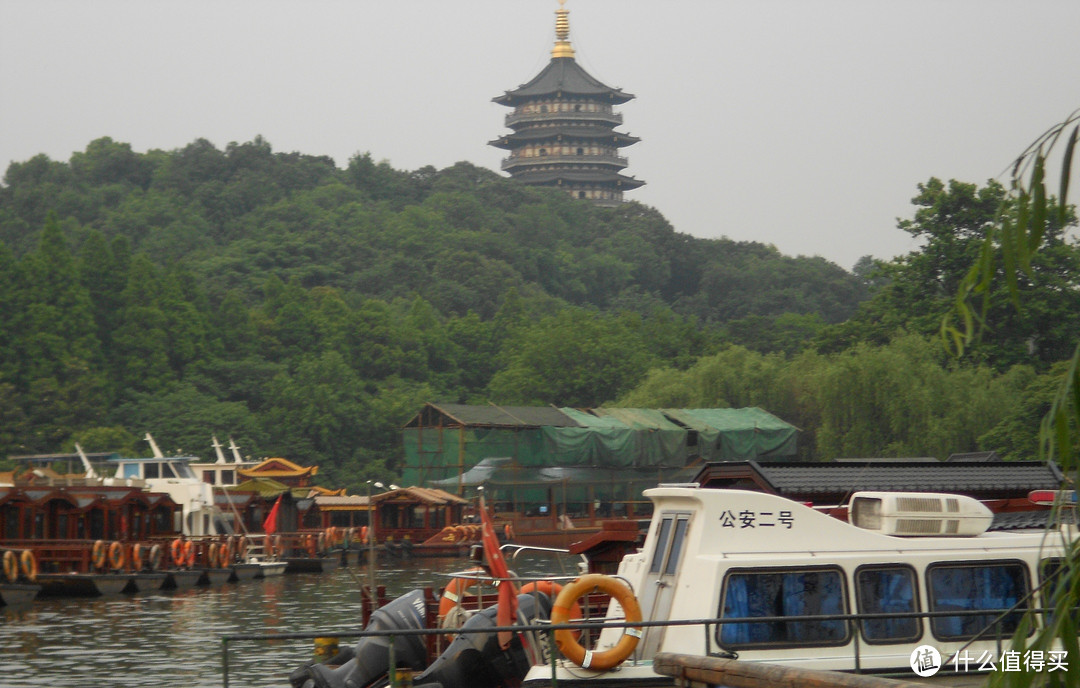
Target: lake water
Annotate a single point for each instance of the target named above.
(174, 638)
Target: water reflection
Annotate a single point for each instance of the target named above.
(173, 638)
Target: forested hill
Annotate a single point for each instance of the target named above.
(309, 311)
(459, 237)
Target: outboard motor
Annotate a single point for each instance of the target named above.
(475, 660)
(369, 659)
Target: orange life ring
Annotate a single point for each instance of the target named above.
(29, 565)
(331, 536)
(508, 531)
(455, 590)
(176, 551)
(99, 554)
(155, 557)
(242, 548)
(211, 556)
(116, 555)
(230, 549)
(552, 590)
(137, 557)
(189, 553)
(364, 534)
(11, 566)
(569, 646)
(321, 543)
(309, 544)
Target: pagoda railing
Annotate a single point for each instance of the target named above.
(520, 161)
(613, 118)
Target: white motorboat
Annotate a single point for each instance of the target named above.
(731, 554)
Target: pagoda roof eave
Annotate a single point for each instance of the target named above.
(597, 177)
(619, 139)
(563, 76)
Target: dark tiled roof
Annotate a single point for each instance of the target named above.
(571, 132)
(563, 75)
(1026, 520)
(505, 416)
(834, 482)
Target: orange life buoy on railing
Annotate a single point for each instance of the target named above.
(552, 590)
(29, 565)
(454, 591)
(116, 555)
(11, 566)
(268, 545)
(99, 554)
(242, 548)
(310, 544)
(189, 553)
(176, 551)
(230, 549)
(212, 556)
(508, 531)
(137, 557)
(569, 646)
(364, 534)
(155, 557)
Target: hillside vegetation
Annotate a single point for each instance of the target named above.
(308, 311)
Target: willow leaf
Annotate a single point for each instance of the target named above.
(1038, 206)
(1066, 167)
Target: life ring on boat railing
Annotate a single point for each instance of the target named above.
(230, 549)
(136, 557)
(364, 534)
(11, 566)
(347, 536)
(552, 590)
(454, 591)
(268, 546)
(569, 646)
(116, 555)
(99, 554)
(242, 548)
(29, 565)
(212, 556)
(309, 544)
(176, 551)
(188, 553)
(508, 531)
(154, 557)
(322, 543)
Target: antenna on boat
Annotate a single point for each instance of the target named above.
(90, 473)
(235, 451)
(217, 448)
(153, 446)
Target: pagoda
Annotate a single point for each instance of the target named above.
(564, 128)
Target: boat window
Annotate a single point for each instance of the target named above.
(131, 470)
(152, 470)
(661, 545)
(1050, 578)
(887, 590)
(184, 471)
(783, 592)
(992, 586)
(167, 471)
(676, 546)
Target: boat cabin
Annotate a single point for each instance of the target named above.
(736, 554)
(172, 475)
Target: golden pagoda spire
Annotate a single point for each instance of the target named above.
(562, 33)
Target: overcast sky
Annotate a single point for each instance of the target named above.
(802, 124)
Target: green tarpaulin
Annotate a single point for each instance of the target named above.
(619, 444)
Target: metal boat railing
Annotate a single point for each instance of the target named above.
(708, 624)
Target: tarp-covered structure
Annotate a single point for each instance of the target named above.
(545, 455)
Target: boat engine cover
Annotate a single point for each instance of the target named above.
(369, 659)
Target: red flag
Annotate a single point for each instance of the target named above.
(270, 524)
(497, 565)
